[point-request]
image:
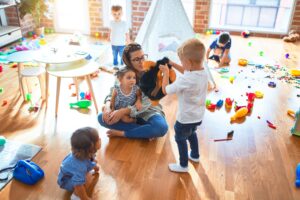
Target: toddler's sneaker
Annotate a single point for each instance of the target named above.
(174, 167)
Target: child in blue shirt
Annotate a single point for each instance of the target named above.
(74, 171)
(221, 49)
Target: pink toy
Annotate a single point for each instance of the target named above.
(1, 68)
(88, 96)
(251, 96)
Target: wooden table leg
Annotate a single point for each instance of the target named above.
(76, 87)
(20, 81)
(57, 94)
(47, 85)
(91, 91)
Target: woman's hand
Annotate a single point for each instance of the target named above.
(115, 116)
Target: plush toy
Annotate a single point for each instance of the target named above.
(292, 37)
(151, 81)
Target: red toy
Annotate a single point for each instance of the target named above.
(228, 103)
(251, 96)
(4, 103)
(1, 69)
(250, 106)
(211, 106)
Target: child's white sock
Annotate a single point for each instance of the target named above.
(193, 159)
(74, 197)
(174, 167)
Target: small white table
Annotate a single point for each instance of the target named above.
(21, 57)
(58, 56)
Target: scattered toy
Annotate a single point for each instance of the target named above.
(4, 103)
(272, 84)
(239, 114)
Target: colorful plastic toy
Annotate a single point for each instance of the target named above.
(207, 102)
(249, 44)
(261, 53)
(228, 103)
(97, 34)
(271, 125)
(231, 79)
(272, 84)
(28, 97)
(245, 33)
(223, 70)
(2, 140)
(295, 72)
(296, 129)
(1, 90)
(259, 94)
(219, 103)
(239, 114)
(1, 69)
(287, 56)
(291, 113)
(211, 106)
(251, 96)
(297, 182)
(81, 104)
(243, 62)
(250, 106)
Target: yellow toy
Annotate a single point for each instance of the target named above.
(231, 79)
(295, 72)
(243, 62)
(259, 94)
(239, 114)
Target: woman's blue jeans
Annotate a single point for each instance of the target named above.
(156, 126)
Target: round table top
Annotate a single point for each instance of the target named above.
(21, 56)
(59, 56)
(75, 69)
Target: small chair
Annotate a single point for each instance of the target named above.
(32, 72)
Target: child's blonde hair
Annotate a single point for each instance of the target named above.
(193, 50)
(116, 8)
(83, 142)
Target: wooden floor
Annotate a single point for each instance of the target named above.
(259, 163)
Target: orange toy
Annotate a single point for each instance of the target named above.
(239, 114)
(243, 62)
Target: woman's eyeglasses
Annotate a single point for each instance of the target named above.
(139, 59)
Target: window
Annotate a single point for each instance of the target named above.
(126, 7)
(255, 15)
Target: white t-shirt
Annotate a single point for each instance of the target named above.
(118, 32)
(190, 89)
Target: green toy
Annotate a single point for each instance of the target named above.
(249, 44)
(261, 53)
(2, 140)
(1, 90)
(28, 97)
(81, 104)
(296, 129)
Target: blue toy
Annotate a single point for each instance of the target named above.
(272, 84)
(28, 172)
(82, 95)
(296, 129)
(297, 182)
(220, 103)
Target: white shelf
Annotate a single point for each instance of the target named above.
(8, 29)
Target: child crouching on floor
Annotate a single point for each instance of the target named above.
(190, 89)
(74, 171)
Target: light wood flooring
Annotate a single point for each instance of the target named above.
(259, 163)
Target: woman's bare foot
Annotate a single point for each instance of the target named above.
(115, 133)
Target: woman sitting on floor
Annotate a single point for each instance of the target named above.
(150, 120)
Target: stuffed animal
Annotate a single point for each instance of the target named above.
(292, 37)
(151, 80)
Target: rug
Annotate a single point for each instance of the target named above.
(10, 154)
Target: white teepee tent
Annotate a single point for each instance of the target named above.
(166, 25)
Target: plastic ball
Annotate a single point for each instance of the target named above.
(82, 95)
(214, 32)
(30, 33)
(34, 36)
(207, 32)
(42, 36)
(218, 32)
(97, 34)
(51, 30)
(47, 30)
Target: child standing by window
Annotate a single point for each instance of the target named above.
(221, 49)
(190, 89)
(118, 34)
(74, 171)
(127, 93)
